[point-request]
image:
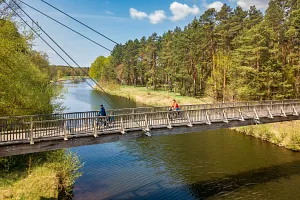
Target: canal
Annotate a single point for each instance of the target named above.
(219, 164)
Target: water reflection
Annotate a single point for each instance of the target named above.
(217, 164)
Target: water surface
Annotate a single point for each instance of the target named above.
(219, 164)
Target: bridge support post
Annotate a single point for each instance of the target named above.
(225, 117)
(282, 112)
(147, 129)
(95, 128)
(270, 114)
(256, 117)
(241, 115)
(189, 119)
(295, 111)
(207, 118)
(65, 131)
(169, 121)
(31, 132)
(122, 126)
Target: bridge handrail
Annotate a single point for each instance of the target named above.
(87, 126)
(236, 108)
(109, 111)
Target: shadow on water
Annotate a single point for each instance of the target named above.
(220, 186)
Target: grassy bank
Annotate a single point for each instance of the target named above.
(285, 134)
(151, 97)
(48, 175)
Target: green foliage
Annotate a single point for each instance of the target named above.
(24, 87)
(230, 55)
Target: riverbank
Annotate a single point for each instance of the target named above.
(151, 97)
(48, 175)
(286, 134)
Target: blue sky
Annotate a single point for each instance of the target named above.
(120, 20)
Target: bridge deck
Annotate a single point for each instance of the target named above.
(31, 132)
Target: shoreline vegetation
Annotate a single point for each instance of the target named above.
(47, 175)
(285, 134)
(26, 89)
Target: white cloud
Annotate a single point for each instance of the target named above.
(260, 4)
(216, 5)
(181, 11)
(135, 14)
(108, 12)
(157, 17)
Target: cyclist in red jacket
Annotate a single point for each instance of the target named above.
(175, 105)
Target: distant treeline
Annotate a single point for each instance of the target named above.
(59, 71)
(232, 54)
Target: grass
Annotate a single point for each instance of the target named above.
(48, 175)
(151, 97)
(40, 183)
(286, 134)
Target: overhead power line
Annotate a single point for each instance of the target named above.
(80, 22)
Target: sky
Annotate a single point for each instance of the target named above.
(120, 20)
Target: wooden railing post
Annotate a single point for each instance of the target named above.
(65, 131)
(189, 119)
(146, 123)
(295, 111)
(122, 126)
(282, 112)
(225, 119)
(31, 131)
(241, 115)
(256, 117)
(169, 121)
(269, 111)
(95, 127)
(207, 118)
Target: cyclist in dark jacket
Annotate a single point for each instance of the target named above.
(102, 111)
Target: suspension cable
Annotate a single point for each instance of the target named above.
(65, 26)
(80, 22)
(67, 55)
(103, 36)
(51, 47)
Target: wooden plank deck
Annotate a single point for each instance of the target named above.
(34, 132)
